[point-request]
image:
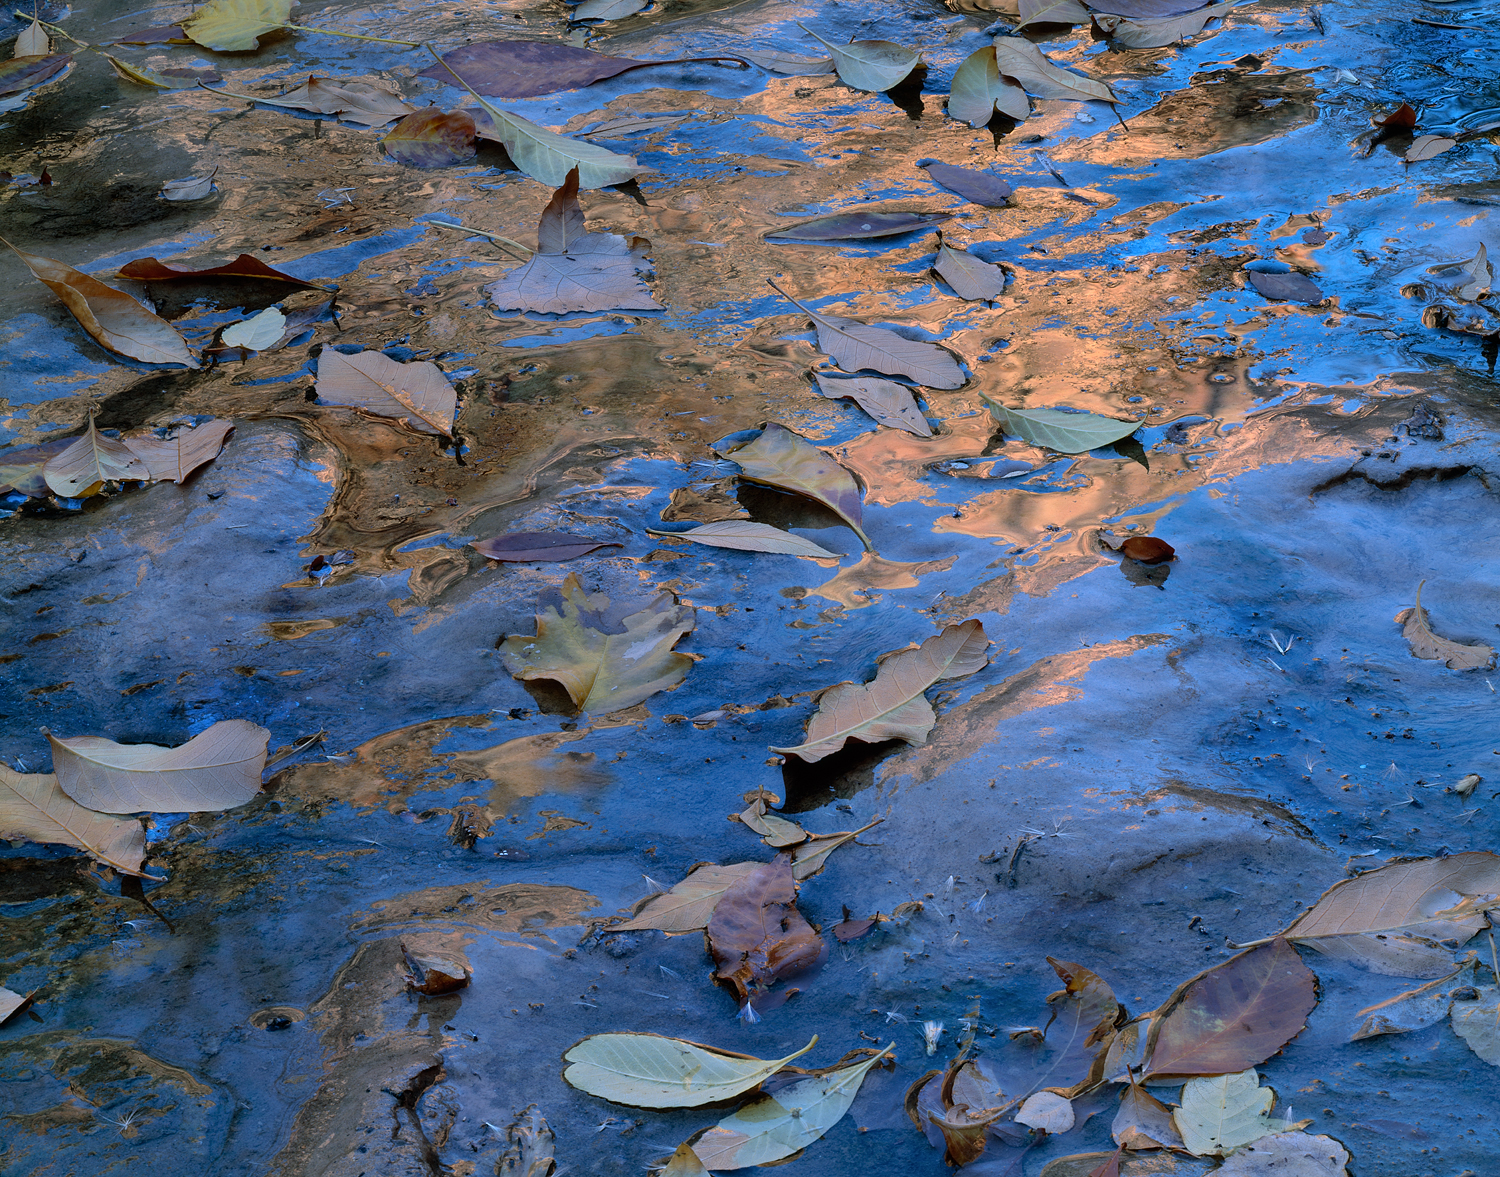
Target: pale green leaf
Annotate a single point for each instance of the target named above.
(1018, 58)
(652, 1071)
(979, 90)
(1067, 433)
(750, 537)
(1221, 1113)
(235, 26)
(870, 65)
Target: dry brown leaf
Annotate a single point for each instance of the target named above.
(888, 402)
(417, 393)
(359, 102)
(172, 459)
(689, 905)
(85, 466)
(788, 461)
(1143, 1121)
(34, 808)
(1417, 630)
(757, 935)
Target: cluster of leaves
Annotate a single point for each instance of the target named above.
(76, 468)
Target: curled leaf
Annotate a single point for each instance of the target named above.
(788, 461)
(33, 808)
(979, 90)
(1417, 629)
(172, 459)
(1155, 32)
(876, 66)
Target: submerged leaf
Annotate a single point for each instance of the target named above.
(979, 90)
(525, 69)
(1292, 286)
(858, 225)
(876, 66)
(652, 1071)
(788, 461)
(1018, 58)
(1220, 1114)
(689, 905)
(745, 536)
(34, 809)
(888, 402)
(92, 460)
(982, 188)
(1067, 433)
(1288, 1154)
(417, 393)
(235, 26)
(431, 138)
(524, 547)
(1155, 32)
(757, 935)
(1415, 1009)
(1417, 629)
(1477, 1021)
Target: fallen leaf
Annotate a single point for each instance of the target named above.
(774, 1127)
(435, 974)
(775, 830)
(34, 809)
(1288, 1154)
(965, 1130)
(417, 393)
(85, 466)
(172, 459)
(1477, 1021)
(525, 69)
(1067, 433)
(757, 936)
(1153, 33)
(852, 929)
(1220, 1114)
(1143, 1121)
(247, 266)
(547, 156)
(115, 320)
(1416, 1009)
(1018, 58)
(684, 1163)
(1147, 549)
(1234, 1015)
(605, 659)
(788, 64)
(888, 402)
(876, 66)
(856, 346)
(10, 1003)
(750, 537)
(1145, 9)
(235, 26)
(192, 188)
(651, 1071)
(1048, 1111)
(1403, 118)
(894, 706)
(431, 138)
(1480, 273)
(219, 768)
(607, 9)
(1123, 1164)
(1417, 629)
(356, 101)
(1427, 146)
(180, 79)
(981, 188)
(979, 90)
(1064, 12)
(858, 225)
(972, 278)
(573, 269)
(811, 856)
(1291, 286)
(525, 547)
(32, 41)
(689, 905)
(257, 333)
(788, 461)
(26, 73)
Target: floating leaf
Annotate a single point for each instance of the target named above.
(1427, 146)
(1415, 1009)
(417, 393)
(1048, 1111)
(1147, 549)
(1064, 12)
(32, 41)
(172, 459)
(811, 856)
(756, 934)
(235, 26)
(1220, 1114)
(1480, 273)
(855, 346)
(982, 188)
(688, 906)
(607, 9)
(876, 66)
(33, 808)
(1477, 1021)
(775, 830)
(888, 402)
(894, 706)
(25, 73)
(651, 1071)
(979, 90)
(11, 1003)
(1067, 433)
(1143, 1121)
(788, 461)
(859, 224)
(525, 547)
(192, 188)
(1291, 286)
(1017, 58)
(435, 974)
(788, 64)
(1156, 32)
(684, 1163)
(1234, 1015)
(219, 768)
(971, 277)
(247, 266)
(114, 319)
(525, 69)
(605, 659)
(750, 537)
(572, 269)
(177, 79)
(358, 102)
(1288, 1154)
(431, 138)
(1417, 629)
(1403, 118)
(83, 468)
(257, 333)
(777, 1126)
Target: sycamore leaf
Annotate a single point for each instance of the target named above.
(894, 706)
(750, 537)
(774, 1127)
(235, 26)
(1416, 629)
(32, 41)
(652, 1071)
(92, 460)
(219, 768)
(358, 102)
(1427, 146)
(431, 138)
(1477, 1021)
(888, 402)
(979, 90)
(605, 659)
(1155, 33)
(34, 808)
(417, 392)
(172, 459)
(972, 278)
(1018, 58)
(1288, 1154)
(788, 461)
(1067, 433)
(115, 320)
(688, 906)
(1062, 12)
(1220, 1114)
(811, 856)
(856, 346)
(573, 269)
(876, 66)
(792, 65)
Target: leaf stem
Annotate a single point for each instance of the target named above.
(790, 299)
(353, 36)
(495, 237)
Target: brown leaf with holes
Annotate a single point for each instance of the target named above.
(757, 935)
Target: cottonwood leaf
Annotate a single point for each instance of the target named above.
(776, 1126)
(1477, 1022)
(431, 138)
(1288, 1154)
(972, 278)
(33, 808)
(192, 188)
(607, 9)
(1291, 286)
(1417, 629)
(1064, 12)
(684, 1163)
(1018, 58)
(811, 856)
(1387, 920)
(1153, 33)
(605, 659)
(247, 266)
(894, 706)
(527, 546)
(114, 319)
(1048, 1111)
(219, 768)
(525, 69)
(417, 393)
(83, 468)
(572, 269)
(788, 461)
(876, 66)
(1067, 433)
(792, 65)
(689, 905)
(859, 225)
(979, 90)
(172, 459)
(981, 188)
(756, 934)
(1143, 1121)
(257, 333)
(25, 73)
(235, 26)
(32, 41)
(750, 537)
(1220, 1114)
(888, 402)
(1427, 146)
(652, 1071)
(1234, 1015)
(855, 346)
(1416, 1009)
(358, 102)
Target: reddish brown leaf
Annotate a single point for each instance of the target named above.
(1403, 118)
(1111, 1167)
(149, 269)
(434, 974)
(524, 69)
(1233, 1016)
(22, 73)
(1148, 549)
(1068, 1055)
(431, 138)
(757, 935)
(851, 929)
(525, 546)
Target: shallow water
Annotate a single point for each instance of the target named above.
(1143, 775)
